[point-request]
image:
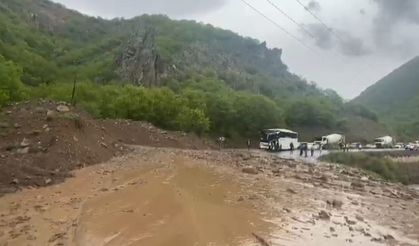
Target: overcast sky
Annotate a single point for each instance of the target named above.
(367, 40)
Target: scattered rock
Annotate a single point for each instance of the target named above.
(16, 125)
(388, 237)
(48, 181)
(357, 185)
(103, 145)
(337, 204)
(324, 178)
(23, 151)
(15, 181)
(287, 210)
(50, 116)
(291, 191)
(359, 217)
(250, 170)
(25, 143)
(240, 199)
(332, 229)
(36, 132)
(63, 109)
(56, 237)
(349, 222)
(324, 215)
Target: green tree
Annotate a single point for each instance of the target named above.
(11, 88)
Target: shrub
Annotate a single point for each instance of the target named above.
(11, 87)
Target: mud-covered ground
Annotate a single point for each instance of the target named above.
(161, 196)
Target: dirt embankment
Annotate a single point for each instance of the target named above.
(42, 141)
(161, 196)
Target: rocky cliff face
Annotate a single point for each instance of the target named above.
(140, 63)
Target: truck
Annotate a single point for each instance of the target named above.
(333, 141)
(384, 142)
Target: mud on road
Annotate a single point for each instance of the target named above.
(162, 196)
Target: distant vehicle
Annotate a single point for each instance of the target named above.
(411, 146)
(399, 145)
(332, 141)
(384, 142)
(355, 146)
(278, 139)
(370, 146)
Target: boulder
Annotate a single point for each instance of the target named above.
(50, 115)
(25, 143)
(337, 204)
(324, 215)
(63, 109)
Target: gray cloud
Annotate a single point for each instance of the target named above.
(395, 25)
(352, 46)
(345, 42)
(313, 5)
(130, 8)
(322, 37)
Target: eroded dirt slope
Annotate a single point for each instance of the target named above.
(40, 142)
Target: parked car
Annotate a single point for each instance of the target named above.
(355, 146)
(411, 147)
(399, 146)
(370, 146)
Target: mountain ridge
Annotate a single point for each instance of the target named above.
(395, 98)
(212, 76)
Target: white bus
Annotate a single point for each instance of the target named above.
(278, 139)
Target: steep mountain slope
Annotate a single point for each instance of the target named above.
(213, 80)
(51, 43)
(395, 98)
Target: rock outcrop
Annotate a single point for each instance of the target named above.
(139, 62)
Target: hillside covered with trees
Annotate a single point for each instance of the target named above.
(395, 99)
(178, 75)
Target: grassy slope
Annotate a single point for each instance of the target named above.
(395, 97)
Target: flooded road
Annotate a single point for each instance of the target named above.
(176, 205)
(179, 197)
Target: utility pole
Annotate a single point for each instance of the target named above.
(73, 102)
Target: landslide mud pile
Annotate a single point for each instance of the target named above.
(40, 142)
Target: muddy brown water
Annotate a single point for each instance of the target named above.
(180, 205)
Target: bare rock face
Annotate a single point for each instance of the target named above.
(139, 63)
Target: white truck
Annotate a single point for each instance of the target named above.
(384, 142)
(333, 141)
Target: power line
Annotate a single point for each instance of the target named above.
(290, 18)
(319, 20)
(276, 24)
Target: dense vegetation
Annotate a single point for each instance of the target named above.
(201, 78)
(379, 163)
(395, 98)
